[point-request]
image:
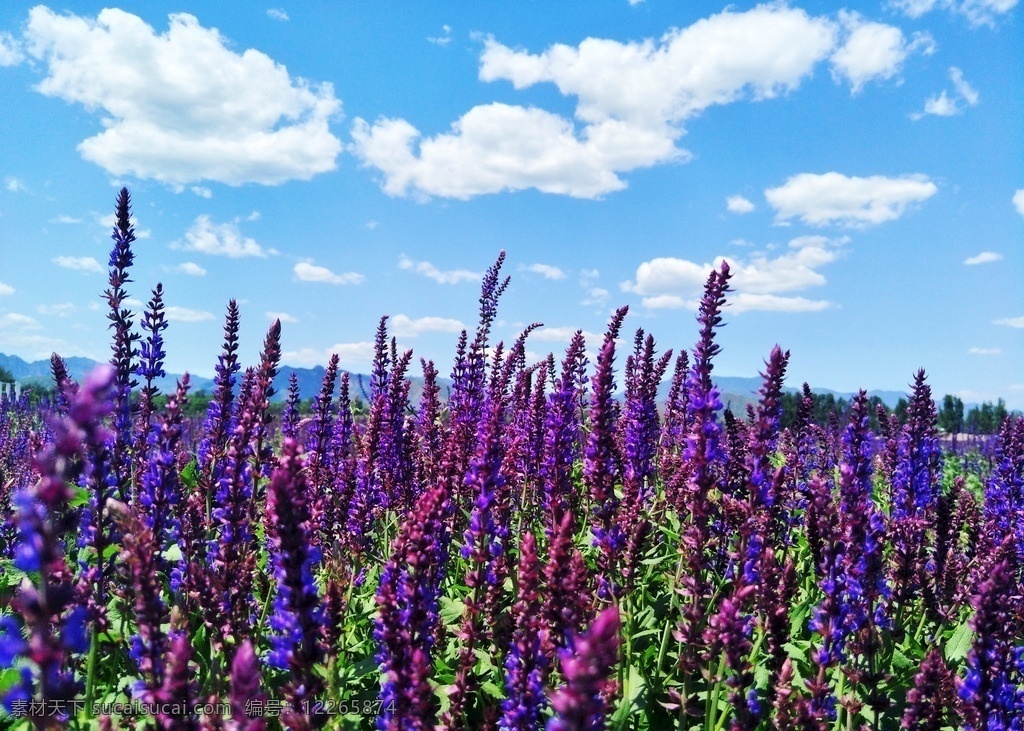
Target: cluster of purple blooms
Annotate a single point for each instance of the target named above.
(536, 550)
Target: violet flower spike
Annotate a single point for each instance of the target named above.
(579, 704)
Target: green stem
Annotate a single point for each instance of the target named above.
(90, 673)
(711, 709)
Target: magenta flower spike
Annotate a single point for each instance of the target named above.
(579, 704)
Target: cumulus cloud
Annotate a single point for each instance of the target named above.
(984, 257)
(595, 296)
(190, 268)
(977, 12)
(738, 204)
(10, 50)
(632, 99)
(873, 51)
(81, 263)
(219, 239)
(404, 326)
(428, 270)
(6, 290)
(945, 105)
(837, 199)
(307, 271)
(180, 106)
(1010, 321)
(545, 270)
(183, 314)
(984, 351)
(1018, 201)
(762, 280)
(282, 316)
(353, 356)
(14, 185)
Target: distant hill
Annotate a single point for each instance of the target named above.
(309, 379)
(736, 391)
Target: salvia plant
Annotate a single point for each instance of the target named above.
(590, 541)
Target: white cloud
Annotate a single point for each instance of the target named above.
(64, 218)
(282, 316)
(983, 258)
(353, 356)
(6, 290)
(428, 270)
(81, 263)
(595, 296)
(190, 268)
(563, 335)
(219, 239)
(407, 327)
(1010, 321)
(1018, 201)
(977, 12)
(60, 309)
(834, 198)
(545, 270)
(984, 351)
(10, 50)
(739, 204)
(181, 107)
(945, 105)
(14, 185)
(278, 14)
(965, 90)
(201, 191)
(760, 281)
(183, 314)
(873, 51)
(632, 101)
(307, 271)
(17, 321)
(442, 40)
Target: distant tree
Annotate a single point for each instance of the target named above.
(901, 409)
(951, 415)
(6, 376)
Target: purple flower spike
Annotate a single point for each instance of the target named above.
(579, 705)
(930, 702)
(248, 701)
(297, 621)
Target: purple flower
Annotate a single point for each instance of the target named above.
(298, 619)
(931, 700)
(579, 704)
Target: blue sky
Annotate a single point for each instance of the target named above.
(860, 165)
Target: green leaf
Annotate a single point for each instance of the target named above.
(190, 475)
(959, 644)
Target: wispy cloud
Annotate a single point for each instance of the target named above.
(444, 39)
(278, 14)
(947, 105)
(984, 257)
(428, 270)
(80, 263)
(307, 271)
(738, 204)
(1010, 321)
(545, 270)
(184, 314)
(984, 351)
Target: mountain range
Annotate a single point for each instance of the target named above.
(736, 391)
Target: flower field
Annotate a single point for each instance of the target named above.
(546, 545)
